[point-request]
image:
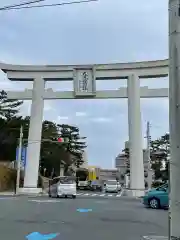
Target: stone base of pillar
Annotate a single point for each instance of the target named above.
(29, 191)
(134, 192)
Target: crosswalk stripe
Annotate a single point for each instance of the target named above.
(100, 195)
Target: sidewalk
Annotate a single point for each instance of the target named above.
(43, 193)
(7, 194)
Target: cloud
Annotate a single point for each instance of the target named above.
(62, 118)
(101, 120)
(48, 106)
(81, 114)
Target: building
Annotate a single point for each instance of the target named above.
(122, 161)
(108, 174)
(121, 165)
(103, 174)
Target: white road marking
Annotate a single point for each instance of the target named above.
(121, 193)
(152, 237)
(102, 202)
(8, 198)
(102, 194)
(44, 201)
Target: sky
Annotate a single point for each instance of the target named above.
(106, 31)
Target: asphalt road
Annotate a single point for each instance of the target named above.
(123, 218)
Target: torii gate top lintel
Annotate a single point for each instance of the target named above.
(113, 66)
(84, 78)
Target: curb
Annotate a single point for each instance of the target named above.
(7, 194)
(22, 194)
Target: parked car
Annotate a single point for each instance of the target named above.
(111, 186)
(62, 187)
(157, 197)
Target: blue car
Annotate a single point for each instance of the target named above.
(157, 197)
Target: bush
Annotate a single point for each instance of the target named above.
(7, 178)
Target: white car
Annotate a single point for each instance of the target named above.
(62, 187)
(111, 186)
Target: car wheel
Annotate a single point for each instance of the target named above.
(73, 196)
(154, 203)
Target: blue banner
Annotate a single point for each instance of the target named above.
(23, 155)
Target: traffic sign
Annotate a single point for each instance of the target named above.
(23, 156)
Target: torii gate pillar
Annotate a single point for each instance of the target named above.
(135, 137)
(34, 138)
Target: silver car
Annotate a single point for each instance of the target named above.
(111, 186)
(62, 187)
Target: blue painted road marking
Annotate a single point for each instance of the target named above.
(39, 236)
(84, 210)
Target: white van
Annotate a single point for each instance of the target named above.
(62, 187)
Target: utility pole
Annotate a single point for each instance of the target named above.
(174, 117)
(19, 159)
(148, 137)
(148, 155)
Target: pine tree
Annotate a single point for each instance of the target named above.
(8, 108)
(75, 143)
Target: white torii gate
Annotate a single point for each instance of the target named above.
(84, 78)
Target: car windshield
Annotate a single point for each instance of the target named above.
(111, 183)
(164, 186)
(66, 180)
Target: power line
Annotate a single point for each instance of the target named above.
(21, 4)
(47, 5)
